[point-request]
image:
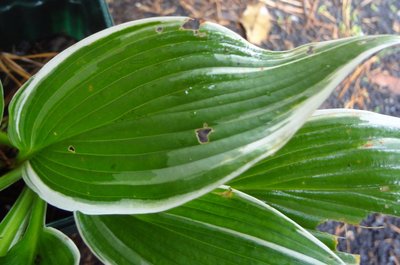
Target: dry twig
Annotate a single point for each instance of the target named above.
(19, 68)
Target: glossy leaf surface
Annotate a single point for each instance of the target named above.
(342, 165)
(33, 243)
(56, 248)
(14, 223)
(148, 115)
(222, 227)
(53, 247)
(1, 101)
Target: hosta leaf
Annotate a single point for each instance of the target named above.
(349, 259)
(53, 247)
(56, 248)
(342, 165)
(14, 223)
(1, 102)
(331, 242)
(34, 243)
(222, 227)
(3, 136)
(147, 115)
(328, 239)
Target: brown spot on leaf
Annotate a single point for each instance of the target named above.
(71, 149)
(368, 144)
(191, 24)
(227, 194)
(203, 133)
(159, 29)
(310, 50)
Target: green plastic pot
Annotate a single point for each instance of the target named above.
(33, 20)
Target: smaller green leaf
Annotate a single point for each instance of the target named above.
(10, 178)
(222, 227)
(52, 247)
(342, 165)
(56, 248)
(349, 259)
(1, 102)
(331, 242)
(328, 239)
(3, 136)
(14, 222)
(36, 244)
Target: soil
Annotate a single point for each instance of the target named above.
(293, 23)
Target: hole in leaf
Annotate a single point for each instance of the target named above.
(310, 50)
(71, 149)
(191, 23)
(203, 133)
(159, 29)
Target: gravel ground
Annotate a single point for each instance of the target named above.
(377, 239)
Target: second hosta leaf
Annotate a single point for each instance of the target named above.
(1, 102)
(341, 165)
(147, 115)
(223, 227)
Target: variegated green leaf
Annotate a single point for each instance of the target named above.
(25, 240)
(222, 227)
(148, 115)
(3, 136)
(342, 165)
(1, 102)
(56, 248)
(331, 241)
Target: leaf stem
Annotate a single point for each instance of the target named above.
(35, 225)
(10, 178)
(4, 140)
(15, 220)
